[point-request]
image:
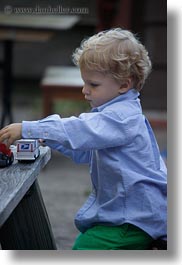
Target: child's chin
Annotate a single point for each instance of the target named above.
(91, 104)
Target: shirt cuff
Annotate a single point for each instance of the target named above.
(30, 130)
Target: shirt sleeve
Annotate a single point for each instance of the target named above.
(89, 131)
(79, 157)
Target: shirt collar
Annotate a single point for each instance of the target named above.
(130, 94)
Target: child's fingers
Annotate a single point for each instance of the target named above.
(4, 130)
(4, 136)
(9, 142)
(10, 133)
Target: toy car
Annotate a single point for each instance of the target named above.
(6, 156)
(27, 150)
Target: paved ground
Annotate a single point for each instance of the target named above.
(64, 185)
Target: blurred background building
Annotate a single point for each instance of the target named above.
(145, 17)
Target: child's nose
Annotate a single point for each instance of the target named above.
(85, 90)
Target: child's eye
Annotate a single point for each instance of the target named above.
(94, 84)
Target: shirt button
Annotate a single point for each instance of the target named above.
(29, 133)
(46, 134)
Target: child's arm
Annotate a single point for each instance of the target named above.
(89, 131)
(13, 132)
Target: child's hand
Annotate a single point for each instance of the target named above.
(11, 133)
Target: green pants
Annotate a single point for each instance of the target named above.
(126, 237)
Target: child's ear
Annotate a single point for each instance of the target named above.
(126, 86)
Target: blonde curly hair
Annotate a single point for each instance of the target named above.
(116, 52)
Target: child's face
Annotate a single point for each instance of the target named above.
(98, 87)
